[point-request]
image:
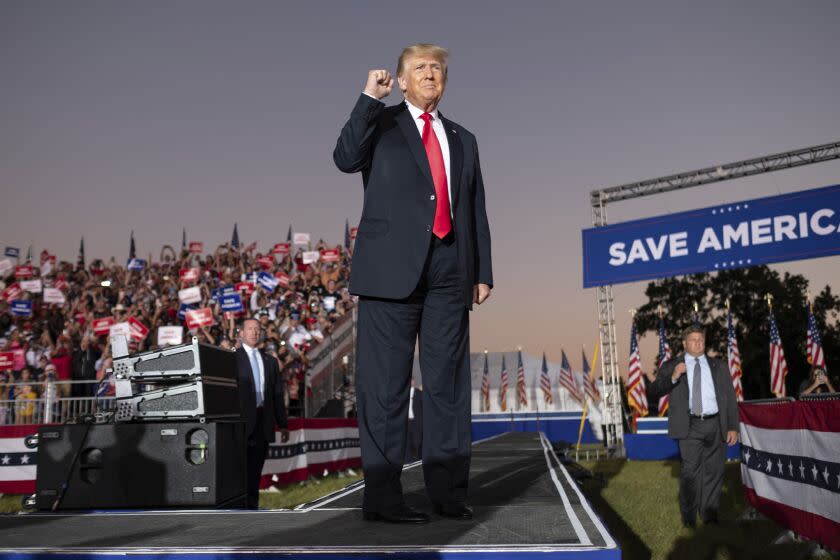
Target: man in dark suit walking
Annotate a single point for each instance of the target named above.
(703, 418)
(262, 404)
(421, 260)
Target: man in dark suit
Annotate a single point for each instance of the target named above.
(421, 260)
(703, 418)
(262, 404)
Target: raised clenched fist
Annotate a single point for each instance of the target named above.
(379, 84)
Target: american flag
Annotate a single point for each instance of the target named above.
(734, 358)
(589, 381)
(815, 350)
(521, 392)
(567, 380)
(778, 365)
(545, 383)
(635, 380)
(503, 386)
(485, 386)
(664, 356)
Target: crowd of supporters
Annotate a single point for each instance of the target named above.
(56, 349)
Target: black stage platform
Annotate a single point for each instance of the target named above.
(526, 506)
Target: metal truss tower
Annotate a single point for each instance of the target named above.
(599, 198)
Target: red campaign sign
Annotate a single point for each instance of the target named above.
(23, 271)
(281, 249)
(196, 247)
(189, 274)
(138, 329)
(265, 262)
(282, 279)
(330, 255)
(7, 360)
(102, 325)
(12, 292)
(247, 286)
(200, 318)
(353, 232)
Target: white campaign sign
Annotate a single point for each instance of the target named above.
(53, 295)
(170, 335)
(32, 286)
(310, 257)
(190, 295)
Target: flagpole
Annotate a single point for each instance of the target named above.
(586, 400)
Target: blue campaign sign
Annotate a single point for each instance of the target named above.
(22, 308)
(219, 293)
(794, 226)
(12, 252)
(182, 311)
(232, 302)
(267, 281)
(136, 264)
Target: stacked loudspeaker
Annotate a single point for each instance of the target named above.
(176, 439)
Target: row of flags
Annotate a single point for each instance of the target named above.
(566, 380)
(636, 390)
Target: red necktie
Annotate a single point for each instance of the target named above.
(443, 221)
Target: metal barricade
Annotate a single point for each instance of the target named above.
(45, 403)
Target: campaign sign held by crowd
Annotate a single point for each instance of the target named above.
(24, 271)
(231, 302)
(330, 255)
(267, 282)
(170, 335)
(196, 247)
(197, 318)
(13, 252)
(301, 238)
(54, 295)
(120, 329)
(102, 325)
(190, 295)
(136, 264)
(281, 249)
(32, 286)
(219, 293)
(182, 310)
(6, 266)
(246, 287)
(7, 360)
(189, 274)
(265, 262)
(139, 331)
(794, 226)
(310, 257)
(12, 292)
(282, 279)
(22, 308)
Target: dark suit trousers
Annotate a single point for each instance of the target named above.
(257, 451)
(387, 333)
(702, 456)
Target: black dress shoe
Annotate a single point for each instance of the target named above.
(397, 514)
(454, 511)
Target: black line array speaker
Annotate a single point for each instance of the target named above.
(142, 465)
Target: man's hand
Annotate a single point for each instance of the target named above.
(379, 84)
(480, 293)
(284, 436)
(731, 437)
(679, 370)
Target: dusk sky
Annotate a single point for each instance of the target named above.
(156, 115)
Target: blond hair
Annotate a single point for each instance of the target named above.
(428, 49)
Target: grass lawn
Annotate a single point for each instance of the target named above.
(638, 502)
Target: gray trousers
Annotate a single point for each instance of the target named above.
(702, 458)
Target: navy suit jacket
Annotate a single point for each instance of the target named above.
(399, 209)
(274, 406)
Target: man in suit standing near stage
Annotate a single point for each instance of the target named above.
(703, 418)
(261, 401)
(421, 260)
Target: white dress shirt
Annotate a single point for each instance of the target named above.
(707, 385)
(261, 374)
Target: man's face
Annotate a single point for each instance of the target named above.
(251, 333)
(694, 344)
(422, 81)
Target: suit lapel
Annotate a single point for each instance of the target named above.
(245, 365)
(456, 158)
(415, 143)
